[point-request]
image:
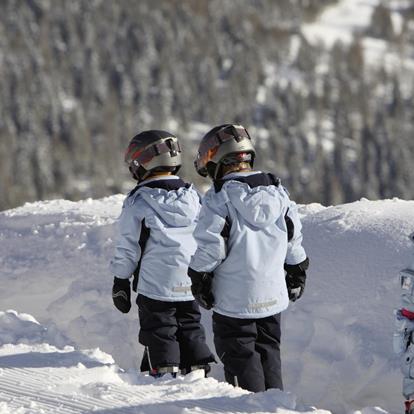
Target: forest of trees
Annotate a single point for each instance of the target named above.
(79, 78)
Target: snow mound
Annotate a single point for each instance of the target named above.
(342, 329)
(25, 329)
(336, 341)
(41, 378)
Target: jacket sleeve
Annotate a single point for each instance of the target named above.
(127, 249)
(211, 246)
(295, 253)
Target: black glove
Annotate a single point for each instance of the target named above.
(296, 278)
(201, 288)
(121, 294)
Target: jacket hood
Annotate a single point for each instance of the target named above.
(259, 206)
(178, 208)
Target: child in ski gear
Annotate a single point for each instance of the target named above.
(154, 245)
(247, 234)
(403, 336)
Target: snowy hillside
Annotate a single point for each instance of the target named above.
(347, 19)
(324, 85)
(40, 378)
(336, 344)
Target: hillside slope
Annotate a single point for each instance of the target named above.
(54, 265)
(333, 118)
(39, 378)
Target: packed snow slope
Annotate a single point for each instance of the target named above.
(336, 343)
(37, 377)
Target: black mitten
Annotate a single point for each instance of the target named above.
(121, 294)
(201, 288)
(296, 279)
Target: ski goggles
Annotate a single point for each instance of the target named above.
(145, 155)
(237, 158)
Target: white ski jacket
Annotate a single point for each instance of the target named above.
(249, 277)
(170, 214)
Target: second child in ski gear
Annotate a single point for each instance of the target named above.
(154, 247)
(403, 340)
(248, 236)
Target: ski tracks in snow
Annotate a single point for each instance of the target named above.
(55, 382)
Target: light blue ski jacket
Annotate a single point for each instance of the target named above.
(249, 277)
(171, 217)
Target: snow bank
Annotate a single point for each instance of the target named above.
(40, 378)
(337, 340)
(24, 329)
(341, 332)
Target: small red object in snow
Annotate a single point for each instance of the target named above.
(407, 314)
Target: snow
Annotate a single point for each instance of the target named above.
(68, 103)
(342, 21)
(65, 349)
(41, 378)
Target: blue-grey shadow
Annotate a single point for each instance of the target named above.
(213, 404)
(48, 359)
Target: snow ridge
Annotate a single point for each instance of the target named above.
(55, 255)
(40, 378)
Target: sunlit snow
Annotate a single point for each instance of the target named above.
(336, 342)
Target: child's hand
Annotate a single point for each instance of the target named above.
(205, 300)
(295, 279)
(121, 294)
(201, 288)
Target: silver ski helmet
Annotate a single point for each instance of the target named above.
(151, 151)
(224, 144)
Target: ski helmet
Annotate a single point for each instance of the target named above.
(224, 144)
(151, 151)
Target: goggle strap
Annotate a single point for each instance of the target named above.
(237, 133)
(162, 148)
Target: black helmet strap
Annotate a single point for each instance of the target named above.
(138, 172)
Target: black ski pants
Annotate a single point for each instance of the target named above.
(172, 334)
(249, 350)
